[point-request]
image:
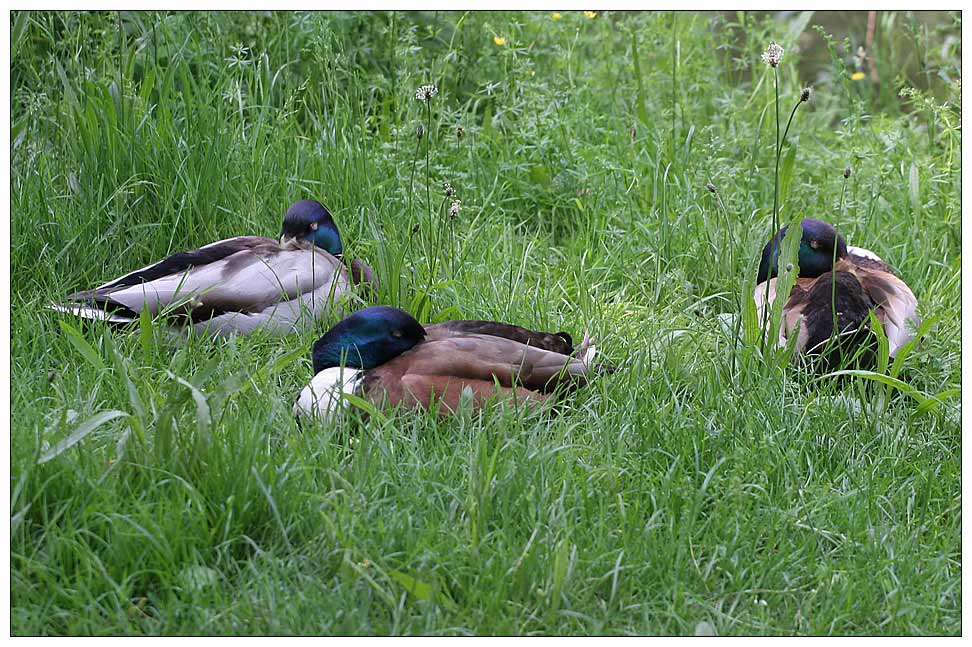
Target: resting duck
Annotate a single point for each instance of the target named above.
(239, 284)
(390, 358)
(857, 281)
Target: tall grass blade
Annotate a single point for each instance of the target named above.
(80, 433)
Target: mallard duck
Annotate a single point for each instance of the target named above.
(239, 284)
(836, 277)
(384, 355)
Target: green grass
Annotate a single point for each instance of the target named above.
(701, 483)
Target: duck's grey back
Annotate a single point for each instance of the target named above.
(232, 286)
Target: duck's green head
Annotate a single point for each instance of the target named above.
(309, 220)
(820, 247)
(367, 338)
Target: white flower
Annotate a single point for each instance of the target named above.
(773, 54)
(240, 57)
(426, 92)
(455, 208)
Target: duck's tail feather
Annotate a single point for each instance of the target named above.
(93, 312)
(585, 353)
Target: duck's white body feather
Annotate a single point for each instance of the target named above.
(322, 398)
(235, 285)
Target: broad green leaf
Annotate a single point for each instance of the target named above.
(366, 406)
(787, 165)
(21, 20)
(145, 332)
(416, 587)
(785, 280)
(797, 27)
(906, 349)
(69, 93)
(893, 382)
(913, 188)
(560, 563)
(86, 428)
(936, 400)
(202, 407)
(81, 345)
(134, 397)
(883, 348)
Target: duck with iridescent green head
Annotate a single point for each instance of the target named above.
(385, 356)
(237, 285)
(838, 285)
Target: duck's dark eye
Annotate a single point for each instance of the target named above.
(396, 333)
(314, 226)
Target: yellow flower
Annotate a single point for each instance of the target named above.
(499, 40)
(591, 15)
(556, 16)
(857, 76)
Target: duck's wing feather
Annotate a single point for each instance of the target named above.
(895, 304)
(860, 252)
(183, 261)
(446, 392)
(834, 302)
(448, 365)
(238, 275)
(560, 342)
(362, 274)
(867, 259)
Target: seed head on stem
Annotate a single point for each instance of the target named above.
(773, 55)
(426, 92)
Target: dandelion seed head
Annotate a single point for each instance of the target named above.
(426, 92)
(773, 54)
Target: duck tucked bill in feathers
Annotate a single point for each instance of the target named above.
(837, 287)
(239, 284)
(384, 355)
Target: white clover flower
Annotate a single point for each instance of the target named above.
(773, 54)
(426, 92)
